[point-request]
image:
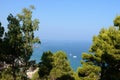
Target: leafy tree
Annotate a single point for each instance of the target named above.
(61, 68)
(88, 71)
(55, 67)
(17, 44)
(28, 27)
(117, 22)
(13, 42)
(45, 65)
(1, 41)
(1, 31)
(75, 75)
(66, 77)
(103, 61)
(7, 75)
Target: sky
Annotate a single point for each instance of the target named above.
(76, 20)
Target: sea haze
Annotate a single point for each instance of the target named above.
(73, 49)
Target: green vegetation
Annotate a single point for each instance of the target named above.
(45, 65)
(6, 74)
(36, 76)
(55, 66)
(28, 27)
(17, 44)
(103, 61)
(61, 67)
(16, 47)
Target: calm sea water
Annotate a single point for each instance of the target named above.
(73, 49)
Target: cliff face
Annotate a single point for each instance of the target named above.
(30, 72)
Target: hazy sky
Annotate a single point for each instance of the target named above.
(66, 19)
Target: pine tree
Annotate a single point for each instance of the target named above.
(17, 44)
(103, 61)
(45, 65)
(28, 27)
(1, 43)
(61, 68)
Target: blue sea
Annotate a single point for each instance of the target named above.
(73, 49)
